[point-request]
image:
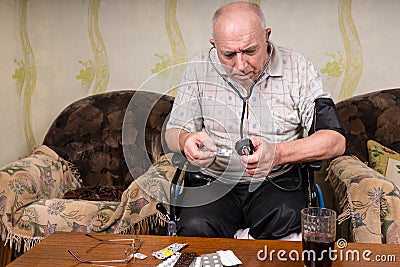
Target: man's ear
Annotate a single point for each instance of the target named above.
(212, 42)
(267, 33)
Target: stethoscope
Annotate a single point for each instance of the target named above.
(283, 168)
(250, 91)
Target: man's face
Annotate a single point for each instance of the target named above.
(243, 47)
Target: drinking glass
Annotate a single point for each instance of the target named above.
(318, 226)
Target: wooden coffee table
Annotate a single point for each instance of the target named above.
(53, 251)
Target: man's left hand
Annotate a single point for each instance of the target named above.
(261, 162)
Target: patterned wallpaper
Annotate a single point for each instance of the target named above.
(55, 52)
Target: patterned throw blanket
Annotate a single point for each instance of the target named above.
(32, 207)
(370, 200)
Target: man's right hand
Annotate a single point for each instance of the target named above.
(199, 148)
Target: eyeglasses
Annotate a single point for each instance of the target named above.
(130, 251)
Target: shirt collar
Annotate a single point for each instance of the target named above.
(276, 65)
(275, 68)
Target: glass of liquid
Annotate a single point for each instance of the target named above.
(318, 226)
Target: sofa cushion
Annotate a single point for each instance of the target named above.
(110, 138)
(374, 115)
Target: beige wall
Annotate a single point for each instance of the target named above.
(45, 44)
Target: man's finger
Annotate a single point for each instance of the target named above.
(209, 144)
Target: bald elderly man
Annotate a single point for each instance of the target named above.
(252, 100)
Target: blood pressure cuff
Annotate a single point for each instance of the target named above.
(326, 117)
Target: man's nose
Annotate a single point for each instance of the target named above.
(240, 62)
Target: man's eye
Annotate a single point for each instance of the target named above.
(250, 52)
(229, 55)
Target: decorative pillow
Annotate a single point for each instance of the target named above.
(384, 160)
(393, 171)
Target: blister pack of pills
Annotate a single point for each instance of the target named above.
(211, 260)
(228, 258)
(170, 262)
(168, 251)
(219, 259)
(139, 256)
(179, 260)
(185, 259)
(222, 152)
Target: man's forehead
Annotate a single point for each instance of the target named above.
(236, 34)
(236, 25)
(240, 43)
(239, 48)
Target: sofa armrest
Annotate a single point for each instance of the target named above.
(369, 200)
(41, 175)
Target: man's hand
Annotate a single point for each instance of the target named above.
(199, 149)
(261, 162)
(324, 144)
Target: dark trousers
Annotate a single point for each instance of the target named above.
(269, 212)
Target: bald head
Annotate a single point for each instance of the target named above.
(238, 11)
(240, 38)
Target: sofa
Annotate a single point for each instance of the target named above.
(108, 156)
(102, 167)
(365, 187)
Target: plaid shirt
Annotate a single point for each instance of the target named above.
(280, 107)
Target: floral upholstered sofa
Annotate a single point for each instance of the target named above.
(366, 179)
(101, 168)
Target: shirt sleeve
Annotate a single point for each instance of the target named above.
(311, 88)
(186, 111)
